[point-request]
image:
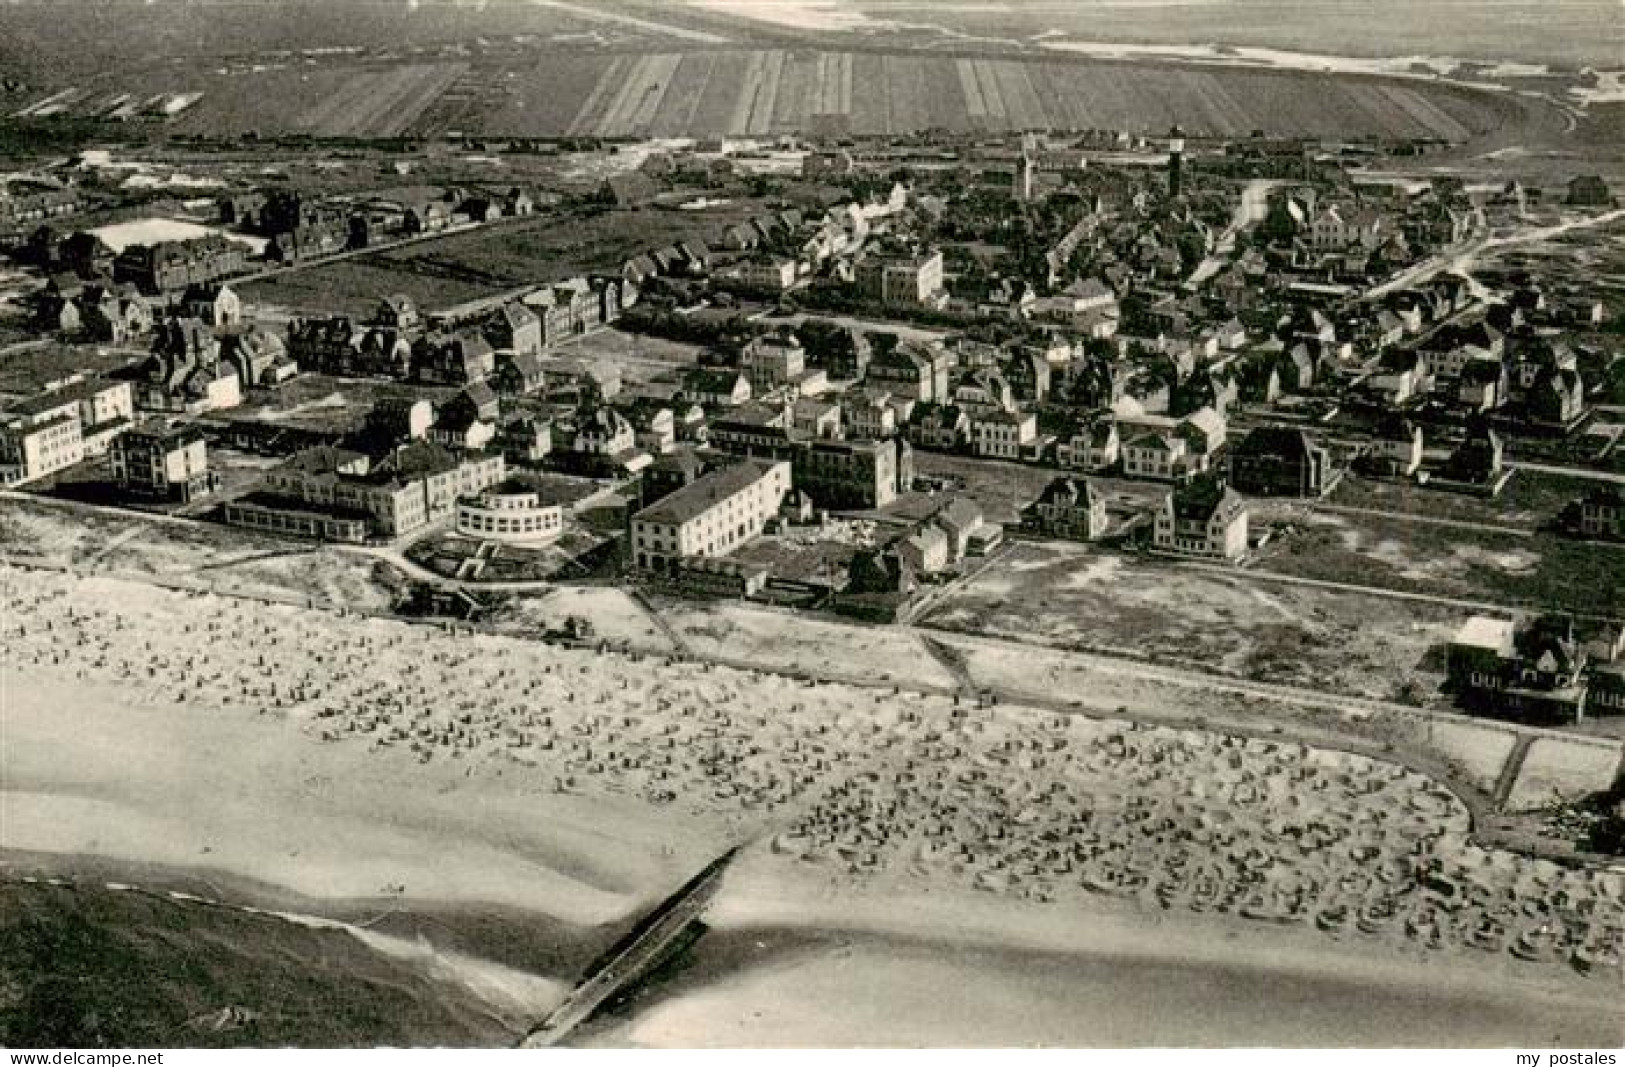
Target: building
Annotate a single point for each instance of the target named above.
(1002, 434)
(903, 279)
(337, 494)
(768, 273)
(1589, 190)
(1602, 513)
(455, 358)
(717, 387)
(1278, 461)
(1202, 518)
(61, 427)
(163, 461)
(38, 445)
(1479, 459)
(853, 474)
(511, 512)
(711, 516)
(911, 369)
(1070, 508)
(1532, 670)
(174, 265)
(773, 361)
(1396, 448)
(514, 328)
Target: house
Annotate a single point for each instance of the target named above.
(1070, 508)
(519, 375)
(514, 328)
(1602, 513)
(905, 279)
(1482, 384)
(942, 427)
(717, 387)
(467, 420)
(633, 189)
(816, 418)
(524, 440)
(1532, 670)
(1589, 190)
(709, 517)
(767, 273)
(604, 432)
(774, 361)
(654, 425)
(213, 302)
(453, 358)
(1278, 461)
(1396, 448)
(162, 461)
(969, 534)
(1000, 434)
(59, 428)
(1556, 398)
(1478, 460)
(853, 474)
(925, 551)
(1158, 455)
(670, 472)
(259, 356)
(914, 369)
(394, 419)
(870, 416)
(1202, 518)
(185, 374)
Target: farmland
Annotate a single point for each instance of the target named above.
(764, 92)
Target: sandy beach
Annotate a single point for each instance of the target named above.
(350, 759)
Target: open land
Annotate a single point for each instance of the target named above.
(1071, 596)
(765, 92)
(1081, 819)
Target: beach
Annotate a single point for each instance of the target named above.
(363, 763)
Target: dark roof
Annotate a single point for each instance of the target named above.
(1205, 499)
(1276, 441)
(704, 493)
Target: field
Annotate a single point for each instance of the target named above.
(468, 266)
(1538, 570)
(765, 92)
(1068, 596)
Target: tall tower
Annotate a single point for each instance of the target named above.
(1024, 179)
(1176, 161)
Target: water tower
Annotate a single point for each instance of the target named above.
(1176, 160)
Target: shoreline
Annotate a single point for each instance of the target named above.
(358, 760)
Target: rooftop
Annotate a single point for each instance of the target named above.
(706, 492)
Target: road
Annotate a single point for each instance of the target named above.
(1461, 258)
(917, 333)
(1250, 210)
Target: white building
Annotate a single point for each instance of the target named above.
(711, 516)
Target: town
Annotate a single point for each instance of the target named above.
(1298, 440)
